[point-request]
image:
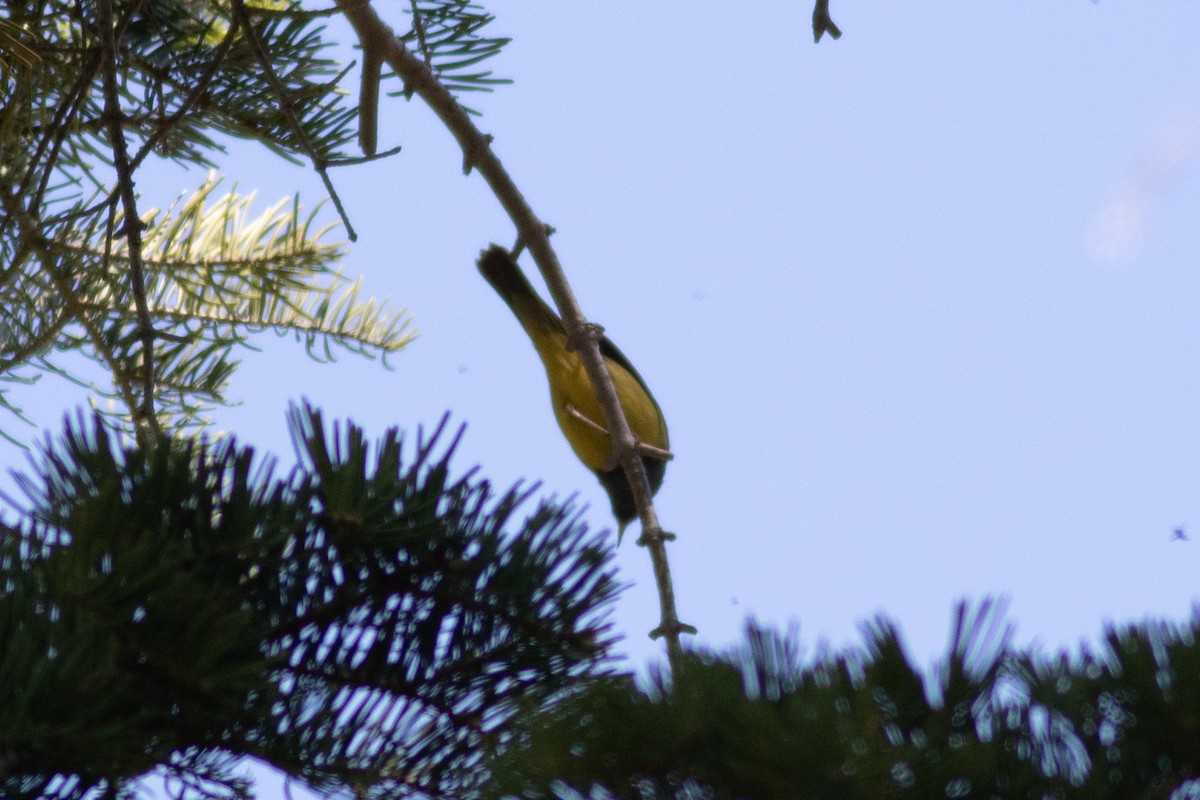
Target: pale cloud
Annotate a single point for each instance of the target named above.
(1116, 231)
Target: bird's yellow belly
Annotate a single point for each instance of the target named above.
(573, 397)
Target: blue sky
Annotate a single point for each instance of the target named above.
(922, 305)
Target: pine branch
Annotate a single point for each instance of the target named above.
(762, 722)
(97, 92)
(286, 102)
(448, 36)
(367, 623)
(216, 274)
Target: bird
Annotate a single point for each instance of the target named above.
(574, 400)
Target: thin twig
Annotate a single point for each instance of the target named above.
(55, 134)
(37, 345)
(353, 160)
(419, 29)
(201, 87)
(132, 226)
(418, 77)
(287, 106)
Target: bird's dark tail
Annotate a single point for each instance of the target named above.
(498, 267)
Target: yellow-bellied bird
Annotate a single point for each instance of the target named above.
(571, 393)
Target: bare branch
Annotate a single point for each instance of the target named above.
(375, 35)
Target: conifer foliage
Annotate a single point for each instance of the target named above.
(992, 721)
(366, 623)
(93, 94)
(372, 623)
